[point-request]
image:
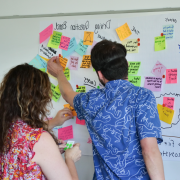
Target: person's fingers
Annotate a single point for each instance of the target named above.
(58, 61)
(67, 111)
(77, 145)
(62, 146)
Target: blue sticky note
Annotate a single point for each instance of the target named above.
(168, 31)
(71, 48)
(38, 63)
(81, 48)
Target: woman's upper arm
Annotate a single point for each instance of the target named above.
(48, 157)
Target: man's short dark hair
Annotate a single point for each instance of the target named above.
(110, 58)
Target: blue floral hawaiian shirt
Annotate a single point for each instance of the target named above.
(118, 117)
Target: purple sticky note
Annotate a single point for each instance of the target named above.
(73, 62)
(64, 43)
(158, 69)
(43, 35)
(153, 83)
(94, 43)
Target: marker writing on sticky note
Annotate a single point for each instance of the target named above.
(81, 48)
(133, 67)
(168, 102)
(55, 92)
(136, 80)
(64, 43)
(158, 69)
(160, 43)
(65, 133)
(165, 114)
(55, 40)
(131, 45)
(63, 62)
(88, 38)
(153, 83)
(86, 62)
(171, 76)
(67, 73)
(168, 31)
(73, 62)
(81, 89)
(123, 31)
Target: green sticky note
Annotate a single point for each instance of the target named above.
(43, 69)
(81, 89)
(55, 40)
(67, 73)
(133, 67)
(55, 94)
(136, 80)
(57, 89)
(93, 69)
(160, 43)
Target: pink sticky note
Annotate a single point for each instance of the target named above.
(65, 133)
(64, 43)
(94, 43)
(73, 63)
(81, 122)
(89, 141)
(43, 35)
(158, 69)
(169, 102)
(171, 76)
(153, 83)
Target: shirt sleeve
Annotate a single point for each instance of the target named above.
(147, 117)
(80, 103)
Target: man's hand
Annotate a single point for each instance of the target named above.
(54, 66)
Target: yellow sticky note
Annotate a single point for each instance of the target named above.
(165, 114)
(131, 45)
(123, 31)
(88, 38)
(44, 58)
(86, 62)
(71, 108)
(63, 62)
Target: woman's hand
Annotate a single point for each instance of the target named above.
(62, 116)
(73, 153)
(62, 145)
(54, 66)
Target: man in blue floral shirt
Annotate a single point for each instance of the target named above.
(122, 119)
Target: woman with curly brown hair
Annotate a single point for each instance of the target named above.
(28, 150)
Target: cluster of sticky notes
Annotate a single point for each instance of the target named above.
(55, 40)
(63, 62)
(123, 31)
(171, 76)
(160, 43)
(88, 38)
(168, 102)
(81, 122)
(133, 67)
(55, 92)
(73, 62)
(165, 114)
(153, 83)
(81, 48)
(131, 45)
(71, 48)
(86, 61)
(168, 31)
(71, 108)
(67, 73)
(158, 69)
(69, 145)
(43, 35)
(64, 43)
(65, 133)
(136, 80)
(81, 89)
(39, 63)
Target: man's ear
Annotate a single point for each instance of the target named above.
(100, 75)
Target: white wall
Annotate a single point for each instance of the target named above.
(19, 44)
(37, 7)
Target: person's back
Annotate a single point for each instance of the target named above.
(118, 117)
(16, 160)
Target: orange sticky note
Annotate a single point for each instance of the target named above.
(169, 102)
(165, 114)
(86, 62)
(88, 38)
(63, 62)
(123, 31)
(71, 108)
(44, 58)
